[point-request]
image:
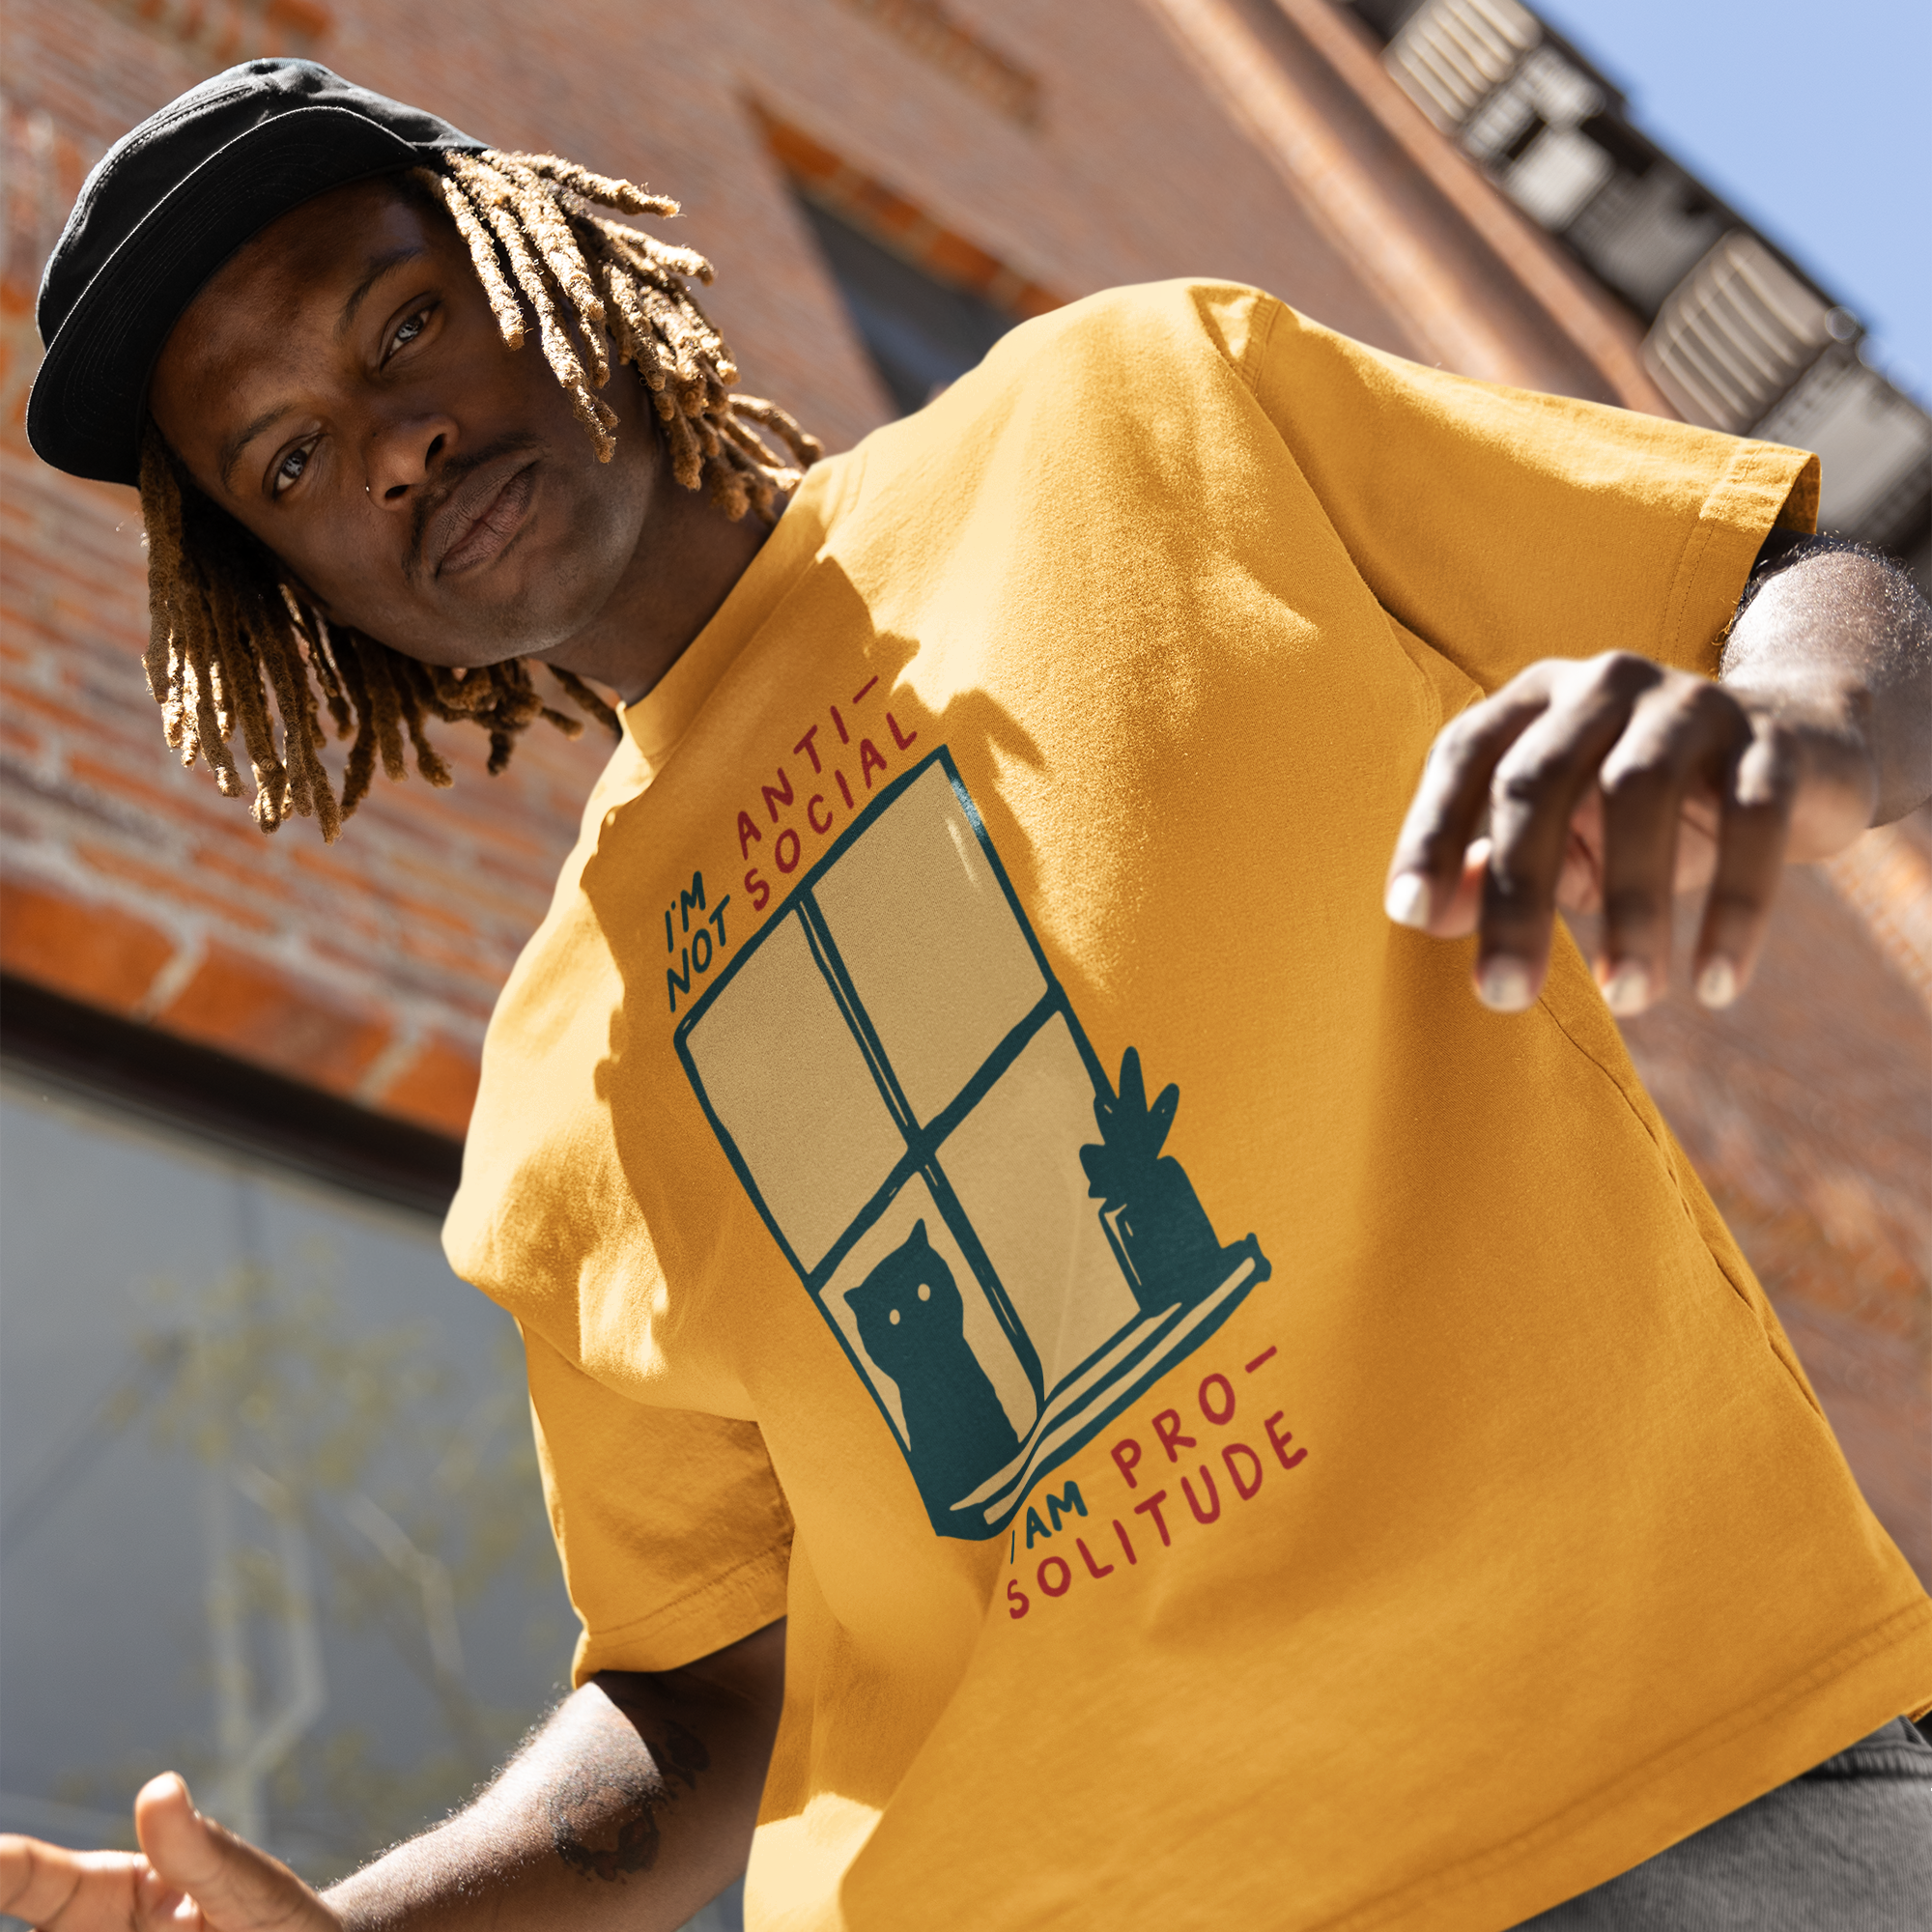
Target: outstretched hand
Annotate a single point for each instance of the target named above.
(190, 1875)
(1612, 785)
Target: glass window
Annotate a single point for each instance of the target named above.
(921, 333)
(268, 1506)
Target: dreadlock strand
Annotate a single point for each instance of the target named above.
(309, 791)
(202, 735)
(234, 673)
(386, 706)
(585, 700)
(548, 227)
(360, 769)
(167, 663)
(246, 651)
(517, 703)
(162, 520)
(457, 694)
(242, 705)
(313, 628)
(657, 261)
(730, 489)
(803, 444)
(606, 188)
(449, 189)
(687, 459)
(412, 682)
(497, 198)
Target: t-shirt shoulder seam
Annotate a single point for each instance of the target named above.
(1254, 352)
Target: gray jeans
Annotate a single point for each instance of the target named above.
(1845, 1848)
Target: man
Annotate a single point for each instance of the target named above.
(1235, 1430)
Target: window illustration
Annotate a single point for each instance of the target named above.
(985, 1220)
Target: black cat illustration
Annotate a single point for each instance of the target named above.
(912, 1322)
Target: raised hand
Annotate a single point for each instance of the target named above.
(190, 1875)
(1613, 783)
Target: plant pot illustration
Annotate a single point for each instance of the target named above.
(1159, 1229)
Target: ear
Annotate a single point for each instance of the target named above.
(917, 1234)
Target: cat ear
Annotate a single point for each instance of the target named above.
(919, 1234)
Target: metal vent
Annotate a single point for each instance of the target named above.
(1644, 233)
(1544, 91)
(1451, 55)
(1735, 334)
(1872, 443)
(1526, 134)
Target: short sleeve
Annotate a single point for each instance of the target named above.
(674, 1536)
(1503, 527)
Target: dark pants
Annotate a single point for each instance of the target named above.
(1845, 1848)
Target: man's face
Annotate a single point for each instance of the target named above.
(339, 386)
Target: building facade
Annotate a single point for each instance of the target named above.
(240, 1045)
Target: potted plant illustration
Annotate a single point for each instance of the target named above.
(1159, 1230)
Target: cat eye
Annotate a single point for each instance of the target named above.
(925, 1292)
(893, 1318)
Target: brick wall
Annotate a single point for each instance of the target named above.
(370, 968)
(1071, 146)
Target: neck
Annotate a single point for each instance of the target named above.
(688, 558)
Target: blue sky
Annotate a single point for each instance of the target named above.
(1813, 120)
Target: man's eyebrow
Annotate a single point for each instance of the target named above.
(373, 272)
(232, 449)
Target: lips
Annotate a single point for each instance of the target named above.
(481, 516)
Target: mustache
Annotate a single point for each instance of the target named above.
(455, 472)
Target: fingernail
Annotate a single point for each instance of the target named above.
(1627, 990)
(1717, 982)
(1504, 985)
(1407, 901)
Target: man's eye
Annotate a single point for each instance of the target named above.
(290, 469)
(407, 329)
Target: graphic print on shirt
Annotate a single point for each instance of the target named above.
(989, 1224)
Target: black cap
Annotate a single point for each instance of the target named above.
(169, 203)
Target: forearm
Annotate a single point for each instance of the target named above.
(633, 1804)
(1839, 645)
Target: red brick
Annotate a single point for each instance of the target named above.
(95, 953)
(436, 1089)
(251, 1008)
(168, 808)
(244, 867)
(168, 885)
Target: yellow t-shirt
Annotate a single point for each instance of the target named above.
(1242, 1435)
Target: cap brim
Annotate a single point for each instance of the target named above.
(85, 412)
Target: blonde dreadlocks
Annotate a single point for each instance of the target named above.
(225, 620)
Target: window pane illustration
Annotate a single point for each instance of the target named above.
(990, 1228)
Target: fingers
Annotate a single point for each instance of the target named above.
(195, 1877)
(1678, 740)
(59, 1890)
(232, 1885)
(1426, 874)
(1755, 832)
(1588, 772)
(1534, 794)
(1526, 756)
